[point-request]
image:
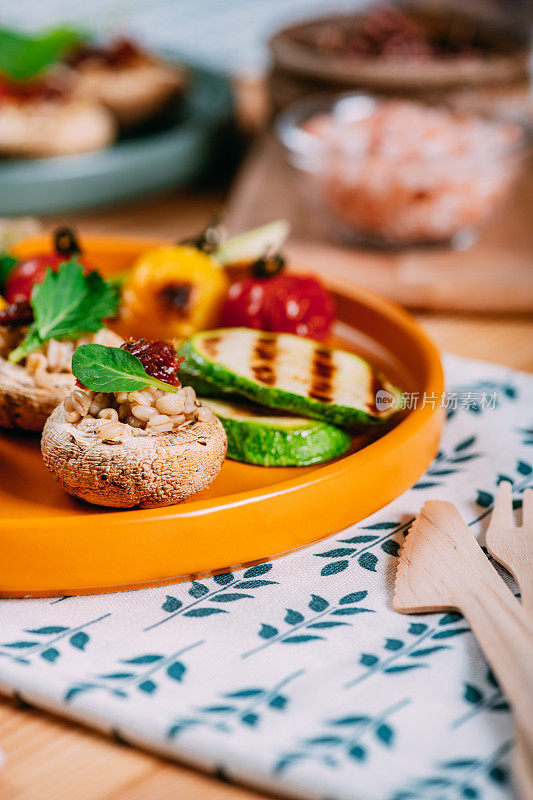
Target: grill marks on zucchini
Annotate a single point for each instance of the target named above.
(264, 360)
(288, 372)
(322, 372)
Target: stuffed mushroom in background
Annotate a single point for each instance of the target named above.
(44, 117)
(39, 336)
(114, 445)
(133, 84)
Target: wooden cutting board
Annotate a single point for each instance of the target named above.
(496, 274)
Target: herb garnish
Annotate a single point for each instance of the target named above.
(24, 56)
(112, 369)
(66, 305)
(7, 263)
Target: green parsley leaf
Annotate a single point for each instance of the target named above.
(66, 305)
(7, 263)
(23, 56)
(112, 369)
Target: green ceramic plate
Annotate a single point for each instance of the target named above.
(171, 156)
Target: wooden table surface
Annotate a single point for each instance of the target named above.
(49, 759)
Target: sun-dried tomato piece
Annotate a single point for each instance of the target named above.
(158, 358)
(16, 314)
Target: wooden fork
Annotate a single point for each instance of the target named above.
(443, 568)
(512, 546)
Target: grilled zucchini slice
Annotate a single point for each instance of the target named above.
(299, 375)
(257, 435)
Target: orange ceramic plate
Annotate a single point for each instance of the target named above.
(53, 544)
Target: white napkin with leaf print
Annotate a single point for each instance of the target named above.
(296, 676)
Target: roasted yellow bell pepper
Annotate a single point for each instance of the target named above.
(172, 292)
(2, 302)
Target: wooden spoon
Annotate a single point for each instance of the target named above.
(442, 568)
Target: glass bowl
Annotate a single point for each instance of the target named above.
(393, 173)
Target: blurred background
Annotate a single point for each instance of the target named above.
(395, 137)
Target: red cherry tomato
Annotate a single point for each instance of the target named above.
(283, 303)
(30, 271)
(26, 273)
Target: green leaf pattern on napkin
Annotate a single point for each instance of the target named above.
(295, 675)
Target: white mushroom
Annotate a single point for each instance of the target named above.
(39, 128)
(25, 405)
(133, 467)
(134, 91)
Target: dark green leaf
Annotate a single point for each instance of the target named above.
(461, 763)
(337, 552)
(449, 619)
(7, 263)
(472, 694)
(393, 644)
(449, 633)
(501, 706)
(416, 628)
(391, 547)
(224, 578)
(368, 561)
(318, 603)
(427, 651)
(259, 569)
(334, 567)
(117, 676)
(326, 624)
(278, 702)
(299, 639)
(71, 694)
(350, 720)
(229, 598)
(484, 499)
(368, 660)
(79, 640)
(245, 693)
(47, 629)
(293, 617)
(147, 686)
(171, 604)
(267, 631)
(425, 485)
(353, 597)
(492, 679)
(112, 369)
(253, 584)
(523, 468)
(67, 304)
(24, 56)
(362, 539)
(19, 644)
(176, 671)
(342, 612)
(217, 709)
(324, 740)
(465, 444)
(203, 612)
(498, 774)
(469, 791)
(250, 719)
(198, 589)
(147, 659)
(50, 654)
(357, 752)
(385, 734)
(381, 526)
(405, 668)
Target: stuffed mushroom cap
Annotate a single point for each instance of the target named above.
(143, 471)
(42, 128)
(23, 404)
(133, 92)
